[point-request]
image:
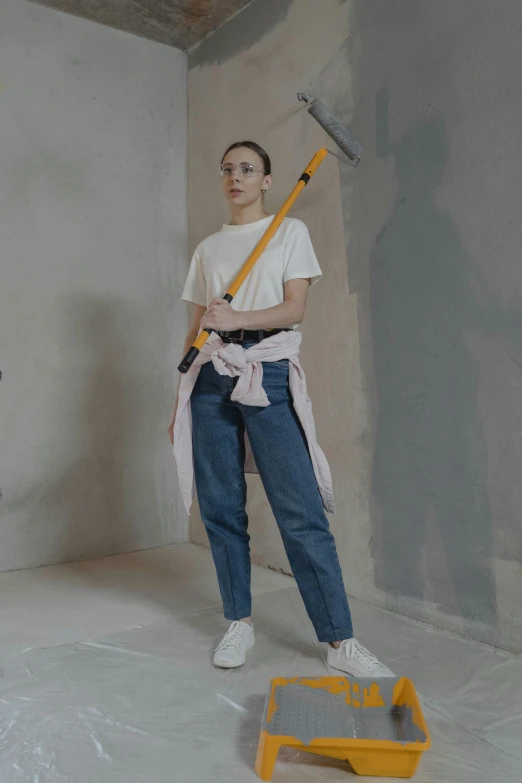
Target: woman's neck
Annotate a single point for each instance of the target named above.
(250, 214)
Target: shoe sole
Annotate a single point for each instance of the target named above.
(230, 665)
(339, 669)
(358, 674)
(234, 664)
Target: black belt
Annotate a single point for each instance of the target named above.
(249, 335)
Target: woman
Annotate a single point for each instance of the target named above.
(272, 298)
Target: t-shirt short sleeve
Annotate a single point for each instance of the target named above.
(300, 258)
(196, 287)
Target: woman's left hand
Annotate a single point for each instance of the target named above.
(221, 317)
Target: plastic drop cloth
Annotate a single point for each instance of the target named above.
(146, 705)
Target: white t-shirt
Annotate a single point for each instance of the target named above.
(219, 258)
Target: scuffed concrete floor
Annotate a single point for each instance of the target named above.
(106, 677)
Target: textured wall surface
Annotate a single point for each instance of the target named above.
(413, 339)
(180, 23)
(436, 260)
(93, 237)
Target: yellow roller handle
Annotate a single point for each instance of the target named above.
(257, 251)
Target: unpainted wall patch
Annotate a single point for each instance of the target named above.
(179, 23)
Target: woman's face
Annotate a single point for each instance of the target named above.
(244, 178)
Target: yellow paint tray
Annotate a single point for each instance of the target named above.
(376, 725)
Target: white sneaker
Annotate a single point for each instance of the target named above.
(352, 658)
(232, 650)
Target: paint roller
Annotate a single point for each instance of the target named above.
(347, 144)
(336, 130)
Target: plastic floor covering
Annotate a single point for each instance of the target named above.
(144, 704)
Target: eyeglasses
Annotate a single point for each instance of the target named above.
(244, 170)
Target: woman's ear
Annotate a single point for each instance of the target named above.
(267, 182)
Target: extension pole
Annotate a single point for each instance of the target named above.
(254, 256)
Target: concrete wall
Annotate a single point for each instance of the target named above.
(412, 341)
(93, 259)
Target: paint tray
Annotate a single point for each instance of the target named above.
(376, 725)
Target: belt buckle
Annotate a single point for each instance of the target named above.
(236, 339)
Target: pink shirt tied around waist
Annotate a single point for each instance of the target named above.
(233, 360)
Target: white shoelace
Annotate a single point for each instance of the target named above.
(233, 637)
(361, 652)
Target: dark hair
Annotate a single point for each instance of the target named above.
(267, 163)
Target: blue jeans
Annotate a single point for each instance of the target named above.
(283, 460)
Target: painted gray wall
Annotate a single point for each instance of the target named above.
(93, 259)
(436, 257)
(421, 416)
